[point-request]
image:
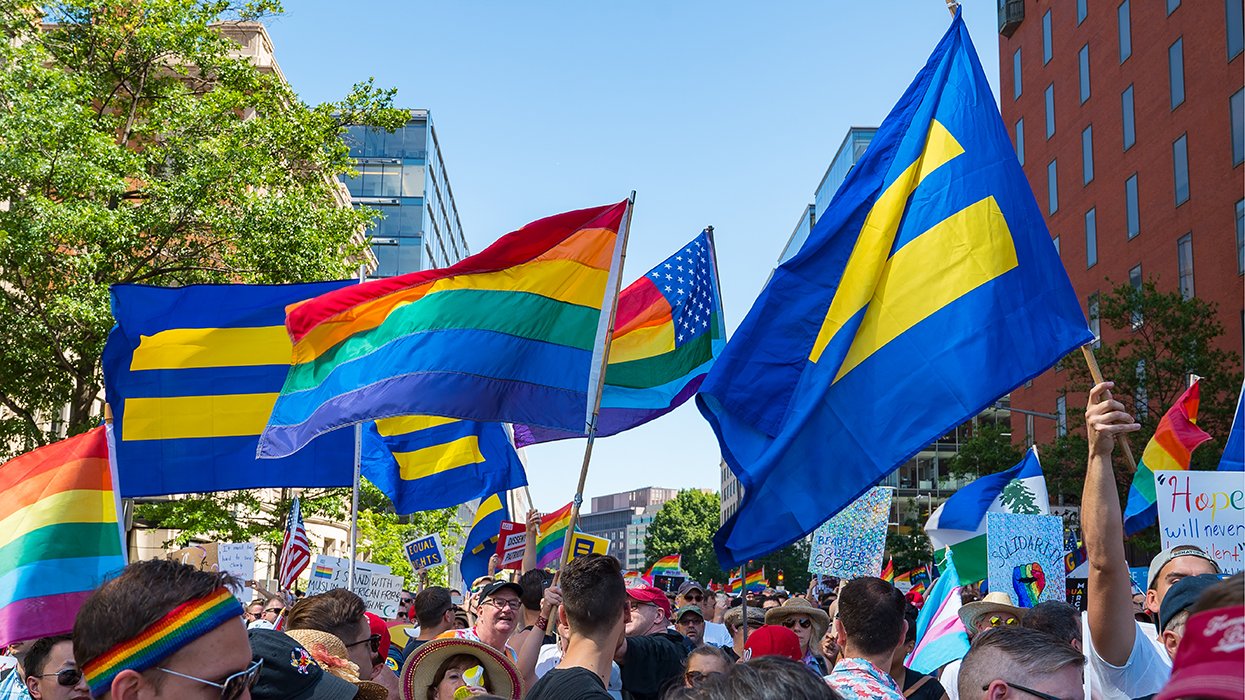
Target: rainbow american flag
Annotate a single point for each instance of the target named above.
(669, 565)
(58, 535)
(1171, 448)
(552, 536)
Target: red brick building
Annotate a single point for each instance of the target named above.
(1127, 116)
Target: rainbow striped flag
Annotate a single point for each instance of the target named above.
(1171, 448)
(551, 537)
(59, 536)
(755, 581)
(888, 572)
(905, 577)
(667, 332)
(735, 585)
(669, 565)
(513, 334)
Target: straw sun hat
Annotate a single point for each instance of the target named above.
(798, 605)
(330, 653)
(421, 668)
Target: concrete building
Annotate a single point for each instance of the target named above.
(623, 519)
(1128, 119)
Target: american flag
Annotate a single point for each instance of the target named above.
(295, 553)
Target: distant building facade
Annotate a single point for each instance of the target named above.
(623, 519)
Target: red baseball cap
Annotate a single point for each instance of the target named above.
(378, 626)
(773, 640)
(1210, 661)
(648, 594)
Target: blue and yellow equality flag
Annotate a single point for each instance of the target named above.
(481, 542)
(929, 288)
(427, 462)
(191, 374)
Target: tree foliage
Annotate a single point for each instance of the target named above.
(138, 146)
(987, 450)
(909, 547)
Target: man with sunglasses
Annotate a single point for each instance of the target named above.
(1018, 662)
(51, 673)
(496, 618)
(162, 629)
(692, 593)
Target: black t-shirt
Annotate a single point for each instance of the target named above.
(651, 662)
(929, 690)
(570, 684)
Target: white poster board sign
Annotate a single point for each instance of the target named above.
(374, 583)
(238, 559)
(1206, 509)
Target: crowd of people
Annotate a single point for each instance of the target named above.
(162, 629)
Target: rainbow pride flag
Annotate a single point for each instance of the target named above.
(734, 585)
(667, 332)
(669, 565)
(513, 334)
(888, 572)
(755, 581)
(905, 577)
(59, 536)
(551, 537)
(1171, 448)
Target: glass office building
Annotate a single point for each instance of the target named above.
(402, 175)
(853, 147)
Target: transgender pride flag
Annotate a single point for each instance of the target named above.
(940, 635)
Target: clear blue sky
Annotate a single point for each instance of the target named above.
(716, 113)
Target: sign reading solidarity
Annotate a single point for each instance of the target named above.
(850, 544)
(425, 552)
(1206, 509)
(1025, 557)
(511, 542)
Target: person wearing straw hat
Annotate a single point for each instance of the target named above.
(330, 653)
(995, 610)
(809, 623)
(438, 669)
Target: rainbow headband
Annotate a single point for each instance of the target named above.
(164, 637)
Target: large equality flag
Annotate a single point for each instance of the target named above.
(1175, 438)
(929, 288)
(668, 330)
(428, 462)
(59, 536)
(513, 334)
(191, 374)
(482, 536)
(960, 522)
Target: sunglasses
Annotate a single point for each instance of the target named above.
(1030, 691)
(804, 623)
(233, 686)
(373, 643)
(693, 598)
(275, 611)
(67, 678)
(1001, 621)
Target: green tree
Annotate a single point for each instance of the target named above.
(136, 146)
(987, 450)
(1018, 498)
(909, 547)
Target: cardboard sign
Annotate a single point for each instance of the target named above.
(582, 543)
(850, 544)
(511, 543)
(425, 552)
(1206, 509)
(380, 590)
(382, 593)
(238, 559)
(1025, 557)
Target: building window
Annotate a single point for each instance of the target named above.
(1180, 168)
(1175, 71)
(1184, 265)
(1134, 281)
(1046, 51)
(1087, 155)
(1240, 236)
(1083, 59)
(1050, 110)
(1141, 398)
(1126, 110)
(1236, 105)
(1130, 205)
(1020, 140)
(1125, 31)
(1081, 10)
(1016, 84)
(1052, 187)
(1091, 238)
(1095, 325)
(1172, 5)
(1055, 241)
(1236, 27)
(1061, 416)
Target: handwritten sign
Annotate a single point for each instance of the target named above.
(1206, 509)
(374, 583)
(425, 552)
(850, 544)
(583, 543)
(1025, 557)
(238, 559)
(511, 542)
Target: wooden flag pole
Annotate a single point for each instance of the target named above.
(1096, 373)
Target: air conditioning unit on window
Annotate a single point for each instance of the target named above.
(1011, 14)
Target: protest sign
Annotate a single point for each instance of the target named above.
(381, 592)
(1025, 557)
(850, 544)
(425, 552)
(238, 559)
(511, 542)
(1078, 591)
(1206, 509)
(582, 543)
(374, 583)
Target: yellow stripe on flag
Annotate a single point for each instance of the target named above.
(400, 425)
(642, 343)
(439, 458)
(175, 417)
(77, 506)
(488, 506)
(187, 348)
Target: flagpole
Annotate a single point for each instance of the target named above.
(1096, 373)
(743, 598)
(596, 402)
(117, 501)
(354, 486)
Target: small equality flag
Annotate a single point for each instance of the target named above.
(191, 374)
(59, 536)
(1175, 438)
(668, 330)
(960, 522)
(513, 334)
(551, 537)
(930, 283)
(481, 536)
(940, 635)
(428, 462)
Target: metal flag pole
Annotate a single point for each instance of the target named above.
(1096, 374)
(743, 597)
(354, 486)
